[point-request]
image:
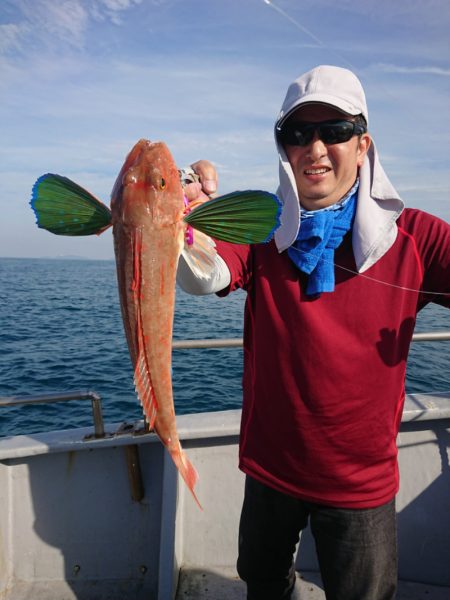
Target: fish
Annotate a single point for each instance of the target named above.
(147, 207)
(153, 225)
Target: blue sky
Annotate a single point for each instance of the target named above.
(82, 80)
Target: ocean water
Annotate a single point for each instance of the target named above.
(61, 330)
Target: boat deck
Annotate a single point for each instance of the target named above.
(224, 584)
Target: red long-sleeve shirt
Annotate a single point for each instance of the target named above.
(323, 385)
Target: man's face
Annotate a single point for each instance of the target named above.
(324, 173)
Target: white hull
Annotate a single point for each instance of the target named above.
(70, 529)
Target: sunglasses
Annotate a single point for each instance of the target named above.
(330, 132)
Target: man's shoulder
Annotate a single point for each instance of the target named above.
(416, 220)
(429, 234)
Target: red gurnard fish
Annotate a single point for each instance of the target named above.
(147, 206)
(152, 226)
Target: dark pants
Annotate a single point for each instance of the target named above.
(356, 548)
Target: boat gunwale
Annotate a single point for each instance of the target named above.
(419, 407)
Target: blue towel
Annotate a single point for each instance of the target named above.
(319, 236)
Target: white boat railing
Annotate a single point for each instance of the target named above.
(429, 336)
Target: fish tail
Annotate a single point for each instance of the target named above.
(186, 469)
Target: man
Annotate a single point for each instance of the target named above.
(329, 316)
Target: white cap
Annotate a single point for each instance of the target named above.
(329, 85)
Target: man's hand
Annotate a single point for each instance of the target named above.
(202, 191)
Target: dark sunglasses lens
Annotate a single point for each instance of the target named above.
(297, 134)
(336, 133)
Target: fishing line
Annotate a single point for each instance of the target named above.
(375, 280)
(393, 285)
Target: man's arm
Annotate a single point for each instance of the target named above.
(220, 276)
(219, 279)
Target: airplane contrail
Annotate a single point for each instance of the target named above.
(300, 27)
(292, 20)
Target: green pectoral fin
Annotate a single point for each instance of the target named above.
(65, 208)
(249, 217)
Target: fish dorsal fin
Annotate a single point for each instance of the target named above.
(248, 217)
(199, 252)
(63, 207)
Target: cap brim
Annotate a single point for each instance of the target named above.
(336, 103)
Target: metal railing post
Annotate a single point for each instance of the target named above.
(96, 402)
(97, 415)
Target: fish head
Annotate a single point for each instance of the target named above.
(148, 188)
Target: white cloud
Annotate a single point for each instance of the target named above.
(111, 9)
(57, 24)
(11, 35)
(408, 70)
(65, 20)
(44, 23)
(396, 14)
(117, 5)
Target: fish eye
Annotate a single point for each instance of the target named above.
(162, 183)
